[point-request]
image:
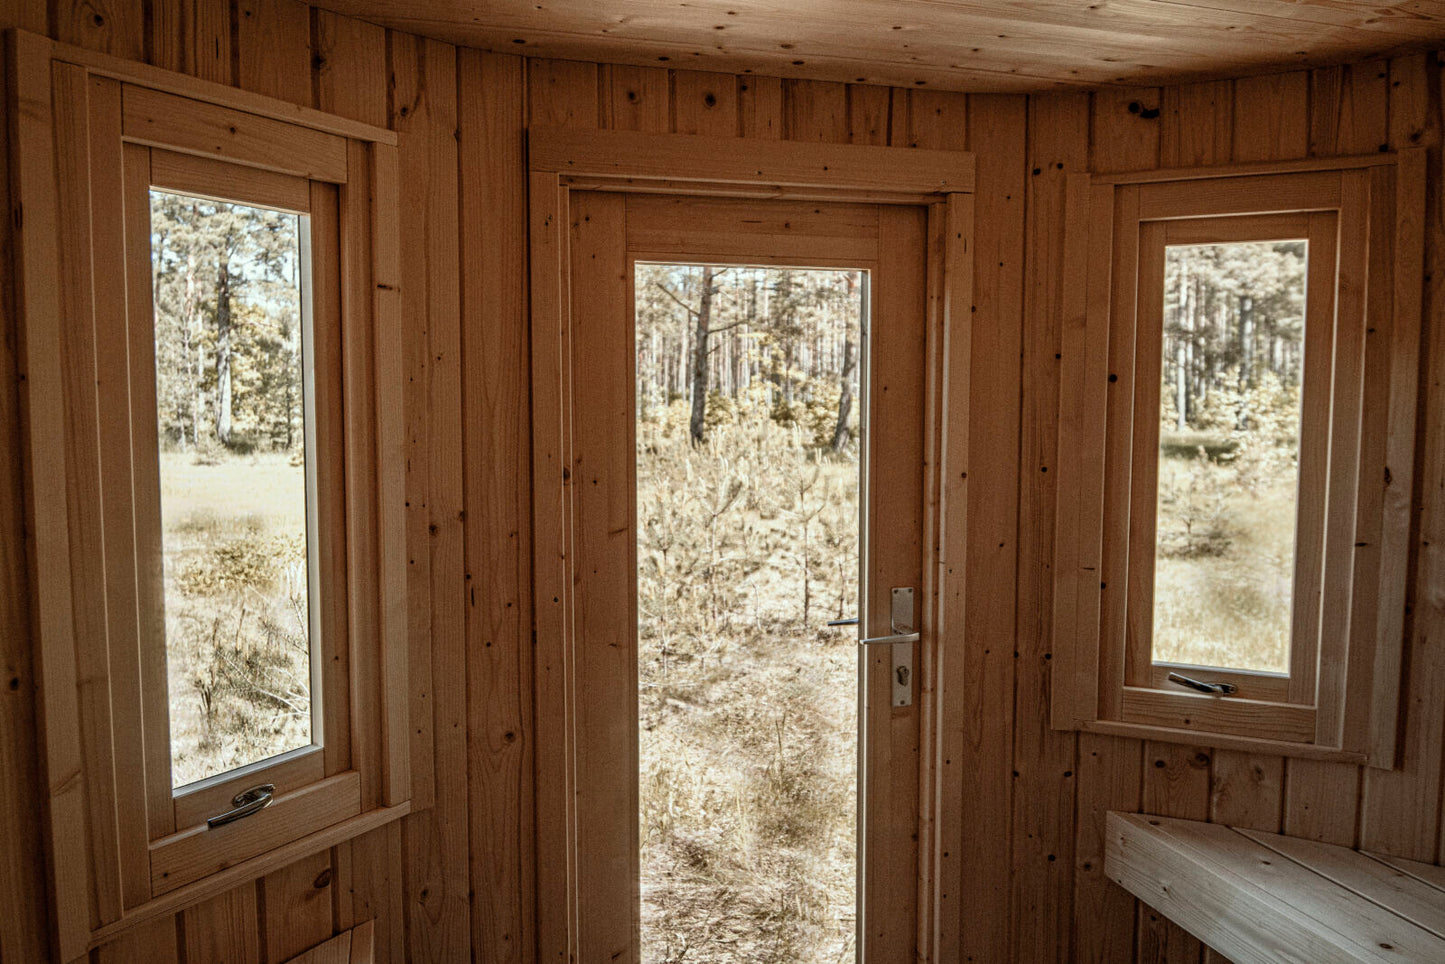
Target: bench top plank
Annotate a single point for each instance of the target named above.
(1257, 905)
(1376, 881)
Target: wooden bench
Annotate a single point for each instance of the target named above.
(1260, 898)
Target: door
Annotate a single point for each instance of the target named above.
(586, 412)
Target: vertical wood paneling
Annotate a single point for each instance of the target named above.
(705, 103)
(1126, 129)
(110, 26)
(562, 93)
(468, 862)
(273, 44)
(224, 929)
(423, 105)
(497, 454)
(815, 110)
(296, 904)
(1400, 810)
(760, 107)
(24, 931)
(1044, 784)
(637, 100)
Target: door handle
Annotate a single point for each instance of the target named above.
(897, 639)
(244, 804)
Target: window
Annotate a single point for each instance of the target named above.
(210, 336)
(1235, 456)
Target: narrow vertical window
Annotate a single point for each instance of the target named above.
(232, 405)
(1229, 444)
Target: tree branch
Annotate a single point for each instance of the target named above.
(668, 291)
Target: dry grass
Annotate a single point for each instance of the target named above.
(747, 546)
(1224, 569)
(237, 641)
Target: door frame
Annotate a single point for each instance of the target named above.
(561, 161)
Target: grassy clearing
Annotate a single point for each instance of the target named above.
(237, 639)
(747, 546)
(1224, 568)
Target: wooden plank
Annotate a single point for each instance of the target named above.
(621, 154)
(335, 951)
(206, 177)
(889, 892)
(1392, 889)
(224, 929)
(553, 564)
(978, 683)
(1198, 124)
(273, 39)
(868, 115)
(637, 98)
(815, 111)
(760, 107)
(1271, 116)
(153, 941)
(1175, 783)
(377, 889)
(196, 852)
(562, 93)
(43, 418)
(389, 396)
(1125, 137)
(497, 450)
(177, 123)
(425, 115)
(603, 460)
(110, 26)
(117, 491)
(1248, 903)
(349, 62)
(22, 859)
(1044, 762)
(80, 443)
(359, 675)
(704, 103)
(1348, 108)
(213, 52)
(296, 904)
(1399, 815)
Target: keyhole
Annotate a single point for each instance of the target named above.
(903, 674)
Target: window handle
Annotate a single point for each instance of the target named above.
(1218, 689)
(244, 804)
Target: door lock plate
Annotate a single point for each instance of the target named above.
(902, 672)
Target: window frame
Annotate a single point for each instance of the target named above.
(93, 135)
(1363, 219)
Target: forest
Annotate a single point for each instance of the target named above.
(1230, 400)
(748, 541)
(230, 402)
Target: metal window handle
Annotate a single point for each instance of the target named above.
(1217, 689)
(244, 804)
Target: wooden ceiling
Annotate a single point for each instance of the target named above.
(946, 44)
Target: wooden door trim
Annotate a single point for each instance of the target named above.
(561, 162)
(693, 164)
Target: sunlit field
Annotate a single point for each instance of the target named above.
(237, 654)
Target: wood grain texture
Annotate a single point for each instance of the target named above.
(498, 489)
(1044, 760)
(424, 115)
(1349, 110)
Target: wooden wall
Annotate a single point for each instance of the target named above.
(455, 882)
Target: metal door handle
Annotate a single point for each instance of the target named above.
(890, 640)
(244, 804)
